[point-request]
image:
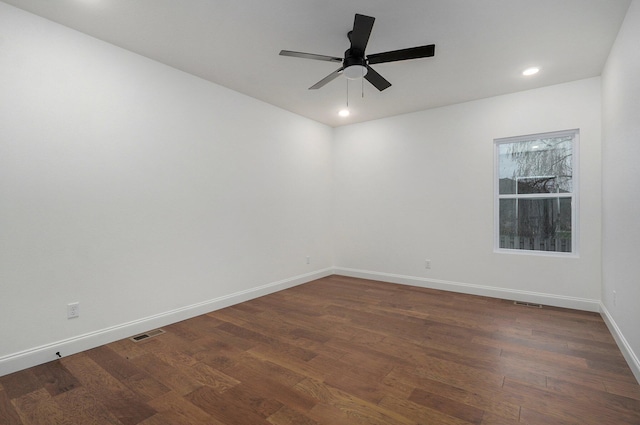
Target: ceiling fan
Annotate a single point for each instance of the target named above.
(355, 63)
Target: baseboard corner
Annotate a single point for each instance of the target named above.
(628, 353)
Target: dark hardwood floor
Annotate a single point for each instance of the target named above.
(343, 351)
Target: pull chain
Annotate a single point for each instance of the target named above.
(347, 93)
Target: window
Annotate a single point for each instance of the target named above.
(536, 193)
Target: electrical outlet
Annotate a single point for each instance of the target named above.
(73, 310)
(308, 260)
(427, 264)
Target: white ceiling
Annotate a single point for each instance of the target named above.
(482, 46)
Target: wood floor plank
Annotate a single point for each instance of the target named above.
(458, 375)
(295, 365)
(547, 366)
(566, 407)
(289, 416)
(171, 377)
(236, 406)
(623, 389)
(349, 406)
(113, 363)
(342, 350)
(129, 350)
(488, 402)
(418, 413)
(259, 378)
(81, 406)
(55, 378)
(250, 335)
(179, 411)
(8, 414)
(493, 419)
(123, 403)
(189, 373)
(533, 417)
(266, 369)
(624, 405)
(359, 384)
(38, 408)
(157, 419)
(145, 386)
(448, 406)
(20, 383)
(545, 356)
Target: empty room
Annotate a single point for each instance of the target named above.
(319, 212)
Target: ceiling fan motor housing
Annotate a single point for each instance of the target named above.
(354, 64)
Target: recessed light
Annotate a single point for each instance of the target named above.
(344, 113)
(530, 71)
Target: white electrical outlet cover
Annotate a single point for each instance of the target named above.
(73, 310)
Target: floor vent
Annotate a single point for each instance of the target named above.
(146, 335)
(527, 304)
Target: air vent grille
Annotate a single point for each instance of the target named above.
(146, 335)
(534, 305)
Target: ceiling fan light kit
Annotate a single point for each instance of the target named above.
(355, 63)
(354, 72)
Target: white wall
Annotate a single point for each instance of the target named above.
(621, 189)
(420, 186)
(144, 193)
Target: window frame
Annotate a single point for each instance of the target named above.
(575, 204)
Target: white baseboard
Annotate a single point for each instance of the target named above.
(46, 353)
(625, 348)
(468, 288)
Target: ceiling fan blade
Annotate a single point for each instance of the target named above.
(376, 79)
(310, 56)
(403, 54)
(327, 79)
(362, 26)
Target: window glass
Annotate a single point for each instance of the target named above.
(542, 224)
(536, 166)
